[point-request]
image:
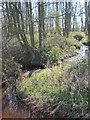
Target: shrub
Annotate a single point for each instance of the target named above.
(85, 40)
(11, 68)
(54, 54)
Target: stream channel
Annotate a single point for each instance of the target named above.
(13, 108)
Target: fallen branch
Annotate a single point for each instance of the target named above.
(41, 109)
(57, 108)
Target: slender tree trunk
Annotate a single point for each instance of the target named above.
(15, 24)
(22, 25)
(57, 20)
(39, 25)
(63, 28)
(32, 28)
(66, 18)
(50, 25)
(8, 19)
(69, 16)
(43, 24)
(29, 21)
(74, 22)
(22, 28)
(89, 46)
(89, 26)
(82, 24)
(66, 21)
(26, 16)
(86, 17)
(57, 15)
(5, 28)
(19, 29)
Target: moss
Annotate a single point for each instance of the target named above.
(82, 34)
(85, 40)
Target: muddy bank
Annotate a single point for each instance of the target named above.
(43, 110)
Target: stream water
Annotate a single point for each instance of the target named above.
(13, 108)
(83, 54)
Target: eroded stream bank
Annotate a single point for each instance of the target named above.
(13, 108)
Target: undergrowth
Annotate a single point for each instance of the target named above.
(67, 86)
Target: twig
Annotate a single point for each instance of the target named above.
(54, 111)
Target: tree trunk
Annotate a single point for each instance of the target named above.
(89, 24)
(32, 28)
(39, 24)
(86, 17)
(82, 24)
(66, 21)
(8, 19)
(57, 16)
(74, 22)
(43, 26)
(15, 24)
(63, 19)
(69, 16)
(66, 18)
(57, 21)
(26, 17)
(18, 29)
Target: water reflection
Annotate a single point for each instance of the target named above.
(11, 107)
(12, 100)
